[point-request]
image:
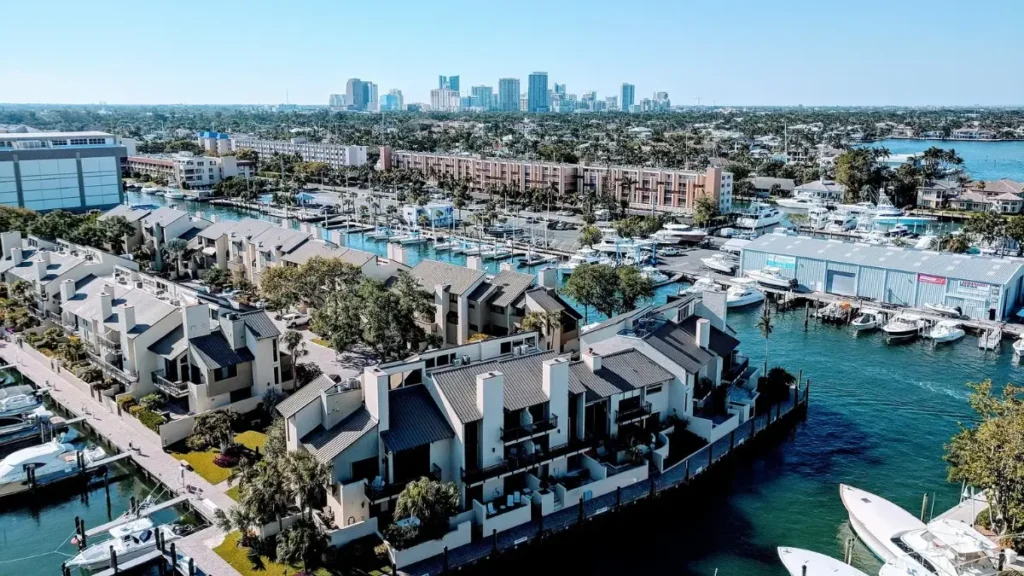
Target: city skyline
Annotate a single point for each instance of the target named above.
(813, 56)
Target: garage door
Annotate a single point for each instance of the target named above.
(842, 283)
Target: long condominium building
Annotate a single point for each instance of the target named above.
(60, 170)
(184, 168)
(335, 155)
(670, 190)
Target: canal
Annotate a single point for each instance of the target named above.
(35, 531)
(878, 418)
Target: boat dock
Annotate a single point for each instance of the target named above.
(148, 511)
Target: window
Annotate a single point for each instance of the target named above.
(653, 389)
(453, 298)
(274, 346)
(225, 373)
(277, 374)
(497, 309)
(97, 141)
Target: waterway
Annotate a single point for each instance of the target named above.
(982, 160)
(35, 531)
(878, 419)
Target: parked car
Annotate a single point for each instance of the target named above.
(295, 320)
(669, 251)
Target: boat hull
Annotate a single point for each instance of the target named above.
(806, 563)
(745, 301)
(772, 281)
(876, 520)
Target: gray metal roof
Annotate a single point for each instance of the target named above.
(260, 324)
(216, 352)
(522, 382)
(163, 216)
(620, 372)
(511, 284)
(127, 212)
(413, 420)
(148, 309)
(482, 292)
(60, 263)
(171, 345)
(307, 250)
(273, 236)
(944, 264)
(679, 347)
(245, 227)
(217, 229)
(616, 319)
(325, 444)
(303, 396)
(550, 301)
(430, 273)
(719, 342)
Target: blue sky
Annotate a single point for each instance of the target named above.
(757, 52)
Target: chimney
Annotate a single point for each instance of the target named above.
(278, 253)
(233, 327)
(703, 335)
(490, 401)
(714, 307)
(376, 384)
(67, 290)
(555, 383)
(592, 360)
(213, 218)
(396, 253)
(17, 256)
(195, 320)
(44, 256)
(9, 241)
(548, 277)
(41, 268)
(474, 263)
(106, 304)
(126, 319)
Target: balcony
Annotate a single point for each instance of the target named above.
(113, 371)
(633, 414)
(739, 365)
(514, 465)
(383, 493)
(176, 389)
(108, 341)
(527, 431)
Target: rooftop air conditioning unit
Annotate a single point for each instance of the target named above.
(466, 359)
(138, 284)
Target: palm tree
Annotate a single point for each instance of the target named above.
(764, 324)
(544, 322)
(295, 345)
(308, 478)
(72, 350)
(626, 185)
(175, 249)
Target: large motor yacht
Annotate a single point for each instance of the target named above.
(760, 215)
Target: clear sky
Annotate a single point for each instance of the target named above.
(743, 52)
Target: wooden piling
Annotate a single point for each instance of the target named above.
(113, 559)
(924, 506)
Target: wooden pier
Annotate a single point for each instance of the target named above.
(145, 512)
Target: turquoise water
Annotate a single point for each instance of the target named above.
(35, 531)
(982, 160)
(878, 419)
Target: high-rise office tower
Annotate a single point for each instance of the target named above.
(559, 88)
(508, 94)
(481, 97)
(337, 101)
(356, 94)
(442, 82)
(371, 97)
(611, 103)
(448, 83)
(399, 100)
(627, 97)
(537, 92)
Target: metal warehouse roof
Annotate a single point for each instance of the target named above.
(962, 266)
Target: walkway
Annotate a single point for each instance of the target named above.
(70, 392)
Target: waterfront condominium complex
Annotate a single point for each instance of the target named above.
(184, 168)
(627, 97)
(669, 190)
(74, 171)
(508, 94)
(537, 95)
(336, 155)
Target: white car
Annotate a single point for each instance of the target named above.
(669, 251)
(295, 320)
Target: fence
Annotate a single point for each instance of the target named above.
(673, 476)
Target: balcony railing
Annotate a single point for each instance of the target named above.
(634, 413)
(526, 431)
(391, 490)
(113, 371)
(739, 364)
(177, 389)
(108, 342)
(517, 464)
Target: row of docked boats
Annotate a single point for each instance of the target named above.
(907, 545)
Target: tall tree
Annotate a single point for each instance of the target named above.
(594, 285)
(589, 235)
(632, 287)
(704, 210)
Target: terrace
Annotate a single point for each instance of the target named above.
(521, 463)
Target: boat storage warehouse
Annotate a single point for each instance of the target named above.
(983, 287)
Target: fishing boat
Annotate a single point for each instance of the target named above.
(864, 322)
(496, 253)
(902, 327)
(24, 427)
(674, 233)
(720, 262)
(942, 547)
(946, 331)
(657, 277)
(760, 215)
(15, 400)
(990, 339)
(806, 563)
(698, 287)
(50, 462)
(772, 276)
(128, 541)
(955, 311)
(841, 221)
(743, 292)
(817, 217)
(174, 194)
(582, 256)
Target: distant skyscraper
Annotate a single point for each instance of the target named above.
(627, 97)
(481, 97)
(442, 82)
(392, 101)
(444, 100)
(611, 103)
(356, 94)
(559, 88)
(448, 83)
(399, 99)
(371, 97)
(508, 94)
(465, 102)
(337, 101)
(537, 92)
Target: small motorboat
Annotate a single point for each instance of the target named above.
(772, 276)
(174, 194)
(954, 311)
(15, 400)
(699, 287)
(150, 189)
(129, 541)
(902, 328)
(806, 563)
(50, 462)
(946, 331)
(864, 322)
(442, 245)
(1018, 347)
(654, 275)
(496, 253)
(720, 262)
(743, 292)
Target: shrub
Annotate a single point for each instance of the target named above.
(135, 410)
(401, 537)
(90, 374)
(197, 443)
(226, 460)
(126, 402)
(151, 402)
(151, 420)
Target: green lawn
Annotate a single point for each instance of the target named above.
(321, 342)
(237, 556)
(202, 462)
(252, 440)
(233, 493)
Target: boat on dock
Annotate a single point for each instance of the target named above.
(902, 327)
(380, 233)
(759, 216)
(721, 263)
(128, 541)
(954, 311)
(990, 339)
(699, 286)
(800, 562)
(444, 245)
(532, 258)
(772, 277)
(946, 331)
(174, 194)
(1018, 347)
(657, 277)
(582, 256)
(743, 292)
(51, 462)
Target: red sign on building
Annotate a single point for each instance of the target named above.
(929, 279)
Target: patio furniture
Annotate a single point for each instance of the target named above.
(490, 509)
(517, 498)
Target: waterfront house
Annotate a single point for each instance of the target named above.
(827, 191)
(763, 186)
(562, 335)
(938, 194)
(999, 187)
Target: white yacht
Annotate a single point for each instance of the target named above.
(698, 287)
(954, 311)
(150, 189)
(720, 262)
(760, 215)
(806, 563)
(678, 234)
(818, 217)
(1018, 347)
(841, 221)
(15, 400)
(885, 208)
(129, 541)
(772, 276)
(902, 327)
(864, 322)
(743, 292)
(799, 202)
(942, 547)
(496, 253)
(473, 249)
(858, 208)
(174, 194)
(654, 275)
(52, 461)
(442, 245)
(582, 256)
(946, 331)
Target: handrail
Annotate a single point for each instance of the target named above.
(644, 409)
(524, 431)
